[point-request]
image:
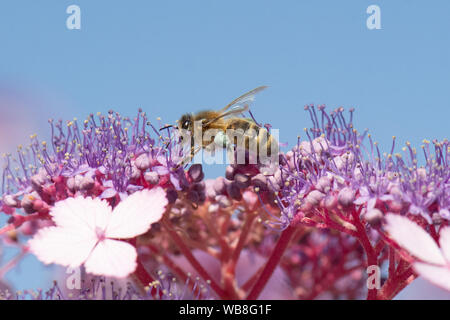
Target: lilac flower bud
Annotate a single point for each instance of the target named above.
(151, 177)
(373, 217)
(346, 197)
(9, 200)
(199, 187)
(324, 184)
(259, 181)
(305, 148)
(171, 195)
(27, 203)
(202, 197)
(209, 188)
(38, 180)
(241, 180)
(193, 196)
(330, 202)
(268, 170)
(274, 183)
(87, 183)
(223, 201)
(40, 206)
(344, 160)
(142, 162)
(320, 145)
(234, 191)
(290, 154)
(229, 173)
(219, 185)
(277, 177)
(71, 184)
(135, 172)
(196, 172)
(314, 197)
(357, 174)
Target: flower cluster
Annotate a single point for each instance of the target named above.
(166, 287)
(309, 226)
(335, 171)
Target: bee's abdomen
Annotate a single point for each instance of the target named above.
(242, 124)
(256, 139)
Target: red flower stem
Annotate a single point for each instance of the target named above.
(407, 277)
(190, 257)
(272, 263)
(12, 263)
(379, 247)
(168, 262)
(372, 259)
(434, 234)
(219, 233)
(178, 271)
(225, 250)
(19, 221)
(228, 269)
(395, 284)
(327, 282)
(7, 228)
(145, 278)
(391, 261)
(250, 282)
(242, 239)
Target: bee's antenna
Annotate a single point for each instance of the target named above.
(167, 127)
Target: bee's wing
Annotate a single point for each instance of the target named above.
(243, 100)
(235, 110)
(238, 105)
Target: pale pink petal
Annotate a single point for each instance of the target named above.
(414, 239)
(135, 214)
(67, 247)
(112, 258)
(438, 275)
(444, 241)
(84, 214)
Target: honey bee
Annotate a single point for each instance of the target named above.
(229, 127)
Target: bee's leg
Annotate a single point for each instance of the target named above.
(191, 156)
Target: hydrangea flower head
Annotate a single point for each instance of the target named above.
(106, 196)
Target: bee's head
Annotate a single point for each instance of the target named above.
(186, 122)
(186, 127)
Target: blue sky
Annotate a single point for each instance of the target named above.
(169, 57)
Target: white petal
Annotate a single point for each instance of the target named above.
(438, 275)
(64, 246)
(135, 214)
(444, 241)
(414, 239)
(81, 213)
(112, 258)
